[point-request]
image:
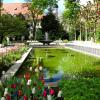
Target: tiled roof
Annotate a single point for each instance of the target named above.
(14, 8)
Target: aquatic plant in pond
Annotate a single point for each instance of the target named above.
(69, 62)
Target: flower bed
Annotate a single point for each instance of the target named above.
(29, 86)
(13, 55)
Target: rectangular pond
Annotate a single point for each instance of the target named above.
(58, 61)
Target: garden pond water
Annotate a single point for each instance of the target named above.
(57, 62)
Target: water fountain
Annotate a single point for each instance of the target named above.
(46, 41)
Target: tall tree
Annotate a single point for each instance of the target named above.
(1, 2)
(71, 13)
(11, 26)
(51, 25)
(36, 8)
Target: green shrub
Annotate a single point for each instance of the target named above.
(65, 41)
(81, 89)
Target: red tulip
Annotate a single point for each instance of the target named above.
(25, 97)
(19, 92)
(27, 76)
(43, 81)
(13, 86)
(8, 97)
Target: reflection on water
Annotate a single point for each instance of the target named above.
(54, 77)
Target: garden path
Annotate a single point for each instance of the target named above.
(85, 47)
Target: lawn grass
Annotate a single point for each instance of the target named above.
(69, 61)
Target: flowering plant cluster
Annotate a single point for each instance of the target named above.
(28, 87)
(9, 58)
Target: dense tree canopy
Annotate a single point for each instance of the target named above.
(11, 25)
(71, 16)
(37, 7)
(51, 25)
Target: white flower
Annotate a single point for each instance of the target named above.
(49, 97)
(59, 93)
(24, 75)
(30, 68)
(33, 90)
(6, 89)
(3, 72)
(3, 98)
(40, 68)
(36, 70)
(29, 82)
(5, 93)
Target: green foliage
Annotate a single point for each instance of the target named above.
(71, 9)
(37, 8)
(65, 41)
(11, 25)
(71, 16)
(81, 89)
(49, 22)
(98, 33)
(7, 60)
(39, 35)
(4, 42)
(51, 25)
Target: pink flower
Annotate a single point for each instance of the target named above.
(52, 92)
(13, 86)
(45, 93)
(25, 98)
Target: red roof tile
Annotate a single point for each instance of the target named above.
(14, 8)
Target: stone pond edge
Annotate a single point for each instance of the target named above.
(15, 67)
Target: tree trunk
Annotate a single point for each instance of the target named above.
(1, 38)
(95, 32)
(34, 25)
(86, 31)
(80, 32)
(34, 30)
(75, 36)
(75, 30)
